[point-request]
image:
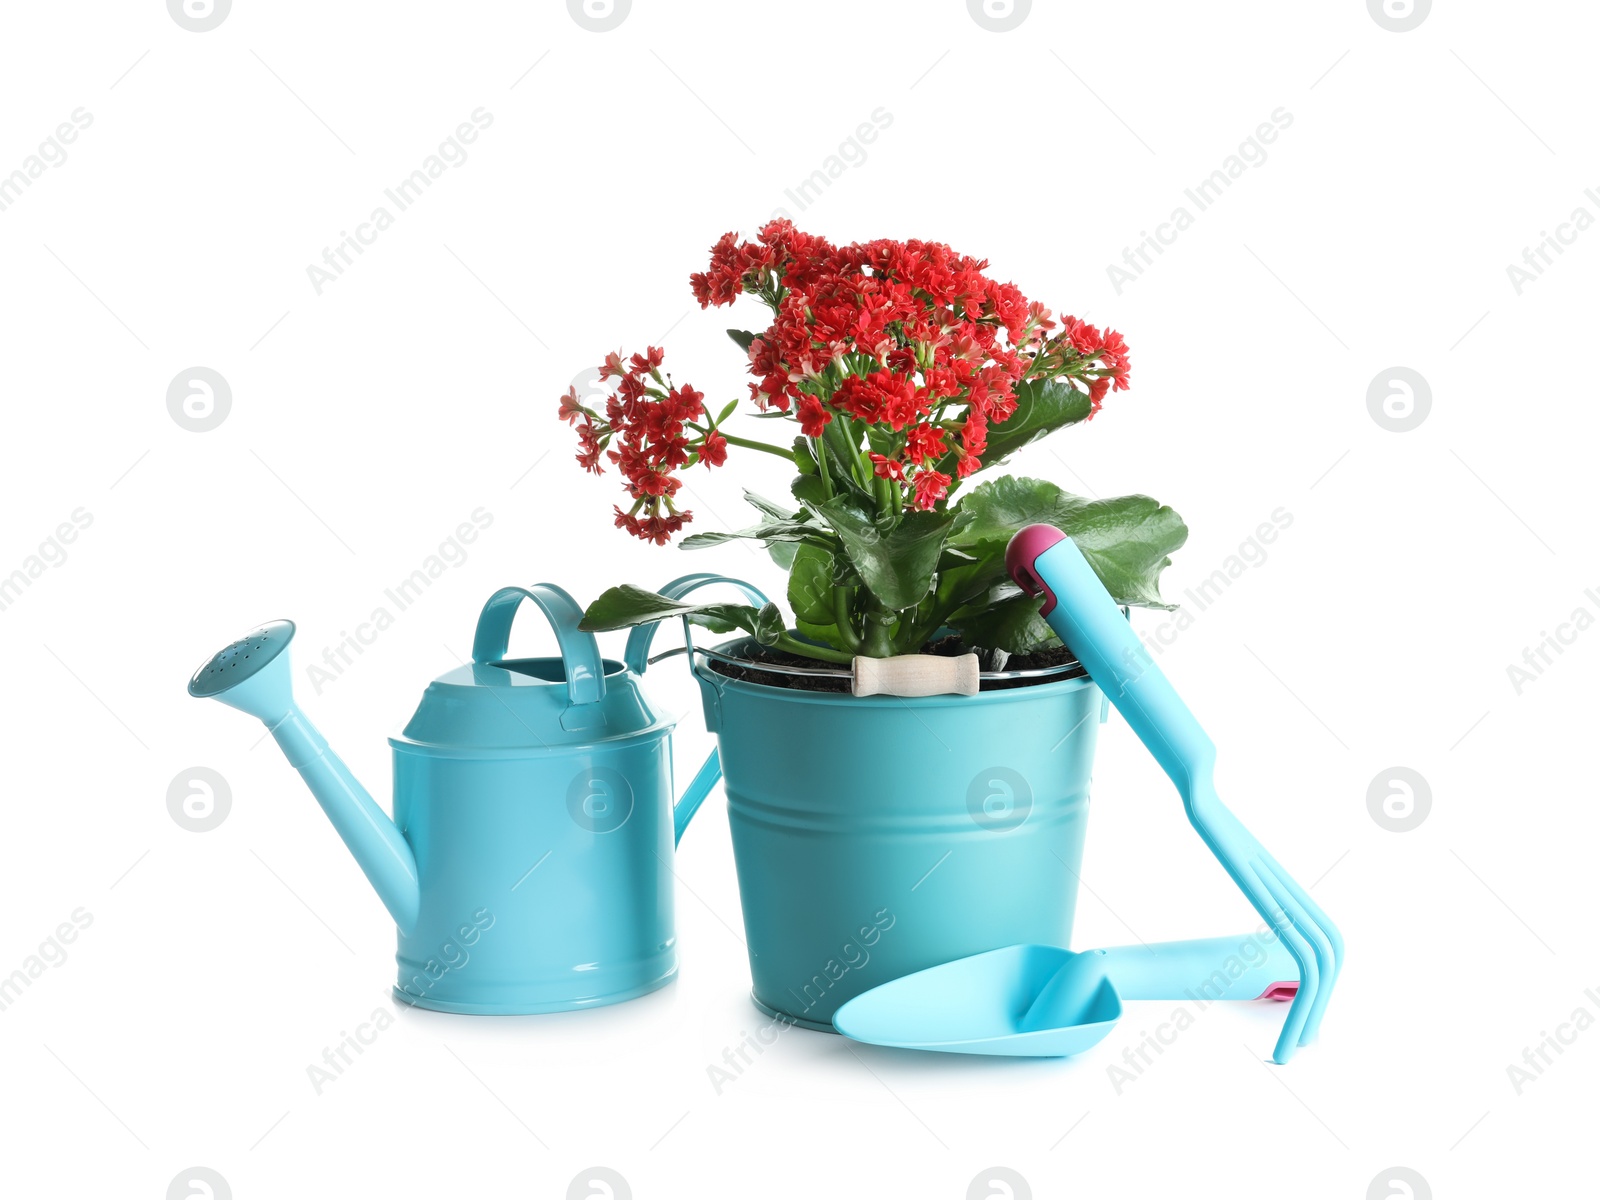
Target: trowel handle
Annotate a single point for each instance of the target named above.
(1043, 560)
(1246, 966)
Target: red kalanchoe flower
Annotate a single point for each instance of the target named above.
(571, 406)
(902, 404)
(925, 443)
(782, 257)
(859, 399)
(588, 447)
(653, 525)
(930, 488)
(1039, 318)
(722, 282)
(942, 334)
(910, 338)
(714, 450)
(646, 362)
(813, 416)
(654, 528)
(887, 468)
(686, 403)
(650, 431)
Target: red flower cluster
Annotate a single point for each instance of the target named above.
(911, 335)
(783, 258)
(1081, 340)
(649, 431)
(909, 338)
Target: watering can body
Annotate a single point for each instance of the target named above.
(528, 864)
(536, 797)
(544, 872)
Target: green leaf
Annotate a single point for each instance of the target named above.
(809, 489)
(768, 508)
(786, 530)
(840, 442)
(859, 364)
(1013, 625)
(767, 625)
(723, 619)
(1128, 540)
(953, 557)
(1043, 406)
(780, 551)
(743, 338)
(826, 634)
(625, 606)
(883, 440)
(964, 583)
(811, 585)
(897, 565)
(621, 607)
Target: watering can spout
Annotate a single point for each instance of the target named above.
(694, 795)
(379, 847)
(252, 675)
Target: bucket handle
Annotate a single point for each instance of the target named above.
(637, 654)
(637, 657)
(580, 653)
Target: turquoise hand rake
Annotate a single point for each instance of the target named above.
(1043, 560)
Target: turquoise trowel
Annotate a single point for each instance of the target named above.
(1046, 1002)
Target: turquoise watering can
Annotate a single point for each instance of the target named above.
(528, 865)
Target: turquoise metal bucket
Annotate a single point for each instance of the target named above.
(877, 836)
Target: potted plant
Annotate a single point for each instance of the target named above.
(879, 835)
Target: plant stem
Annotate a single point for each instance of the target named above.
(929, 627)
(885, 497)
(749, 444)
(807, 650)
(876, 641)
(841, 618)
(821, 453)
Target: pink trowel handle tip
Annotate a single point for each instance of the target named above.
(1284, 990)
(1026, 545)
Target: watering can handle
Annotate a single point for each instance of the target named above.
(637, 657)
(580, 654)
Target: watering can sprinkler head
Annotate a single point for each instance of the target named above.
(252, 675)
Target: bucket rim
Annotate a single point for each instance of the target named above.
(1074, 676)
(1071, 669)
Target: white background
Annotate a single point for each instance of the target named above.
(368, 421)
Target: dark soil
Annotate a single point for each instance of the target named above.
(950, 647)
(758, 653)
